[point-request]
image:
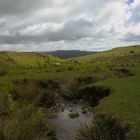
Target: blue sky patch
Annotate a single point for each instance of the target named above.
(130, 1)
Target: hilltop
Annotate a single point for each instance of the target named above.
(69, 53)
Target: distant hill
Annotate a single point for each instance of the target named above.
(69, 53)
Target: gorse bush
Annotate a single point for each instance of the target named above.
(25, 123)
(103, 128)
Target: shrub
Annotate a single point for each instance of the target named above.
(5, 103)
(132, 51)
(58, 70)
(47, 99)
(70, 89)
(70, 68)
(49, 84)
(25, 90)
(103, 128)
(91, 79)
(86, 80)
(2, 72)
(26, 123)
(124, 72)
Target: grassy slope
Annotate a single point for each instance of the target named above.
(124, 102)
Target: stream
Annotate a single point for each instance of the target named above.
(65, 125)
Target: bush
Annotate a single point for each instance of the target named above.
(124, 72)
(92, 79)
(2, 72)
(86, 80)
(103, 128)
(5, 103)
(47, 99)
(25, 90)
(26, 123)
(132, 51)
(48, 84)
(70, 68)
(70, 89)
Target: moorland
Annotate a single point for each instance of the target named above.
(36, 87)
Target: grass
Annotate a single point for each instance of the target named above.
(103, 128)
(118, 69)
(124, 102)
(25, 122)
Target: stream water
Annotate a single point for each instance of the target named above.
(65, 126)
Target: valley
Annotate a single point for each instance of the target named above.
(45, 97)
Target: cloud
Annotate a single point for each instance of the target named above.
(71, 30)
(131, 37)
(135, 16)
(24, 22)
(17, 7)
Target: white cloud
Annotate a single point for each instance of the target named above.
(69, 20)
(38, 29)
(135, 4)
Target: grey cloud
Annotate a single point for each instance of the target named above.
(131, 37)
(72, 30)
(16, 39)
(15, 7)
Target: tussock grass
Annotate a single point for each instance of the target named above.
(25, 123)
(103, 127)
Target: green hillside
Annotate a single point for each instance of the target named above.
(117, 69)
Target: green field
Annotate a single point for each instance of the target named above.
(118, 69)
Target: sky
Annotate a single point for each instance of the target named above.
(48, 25)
